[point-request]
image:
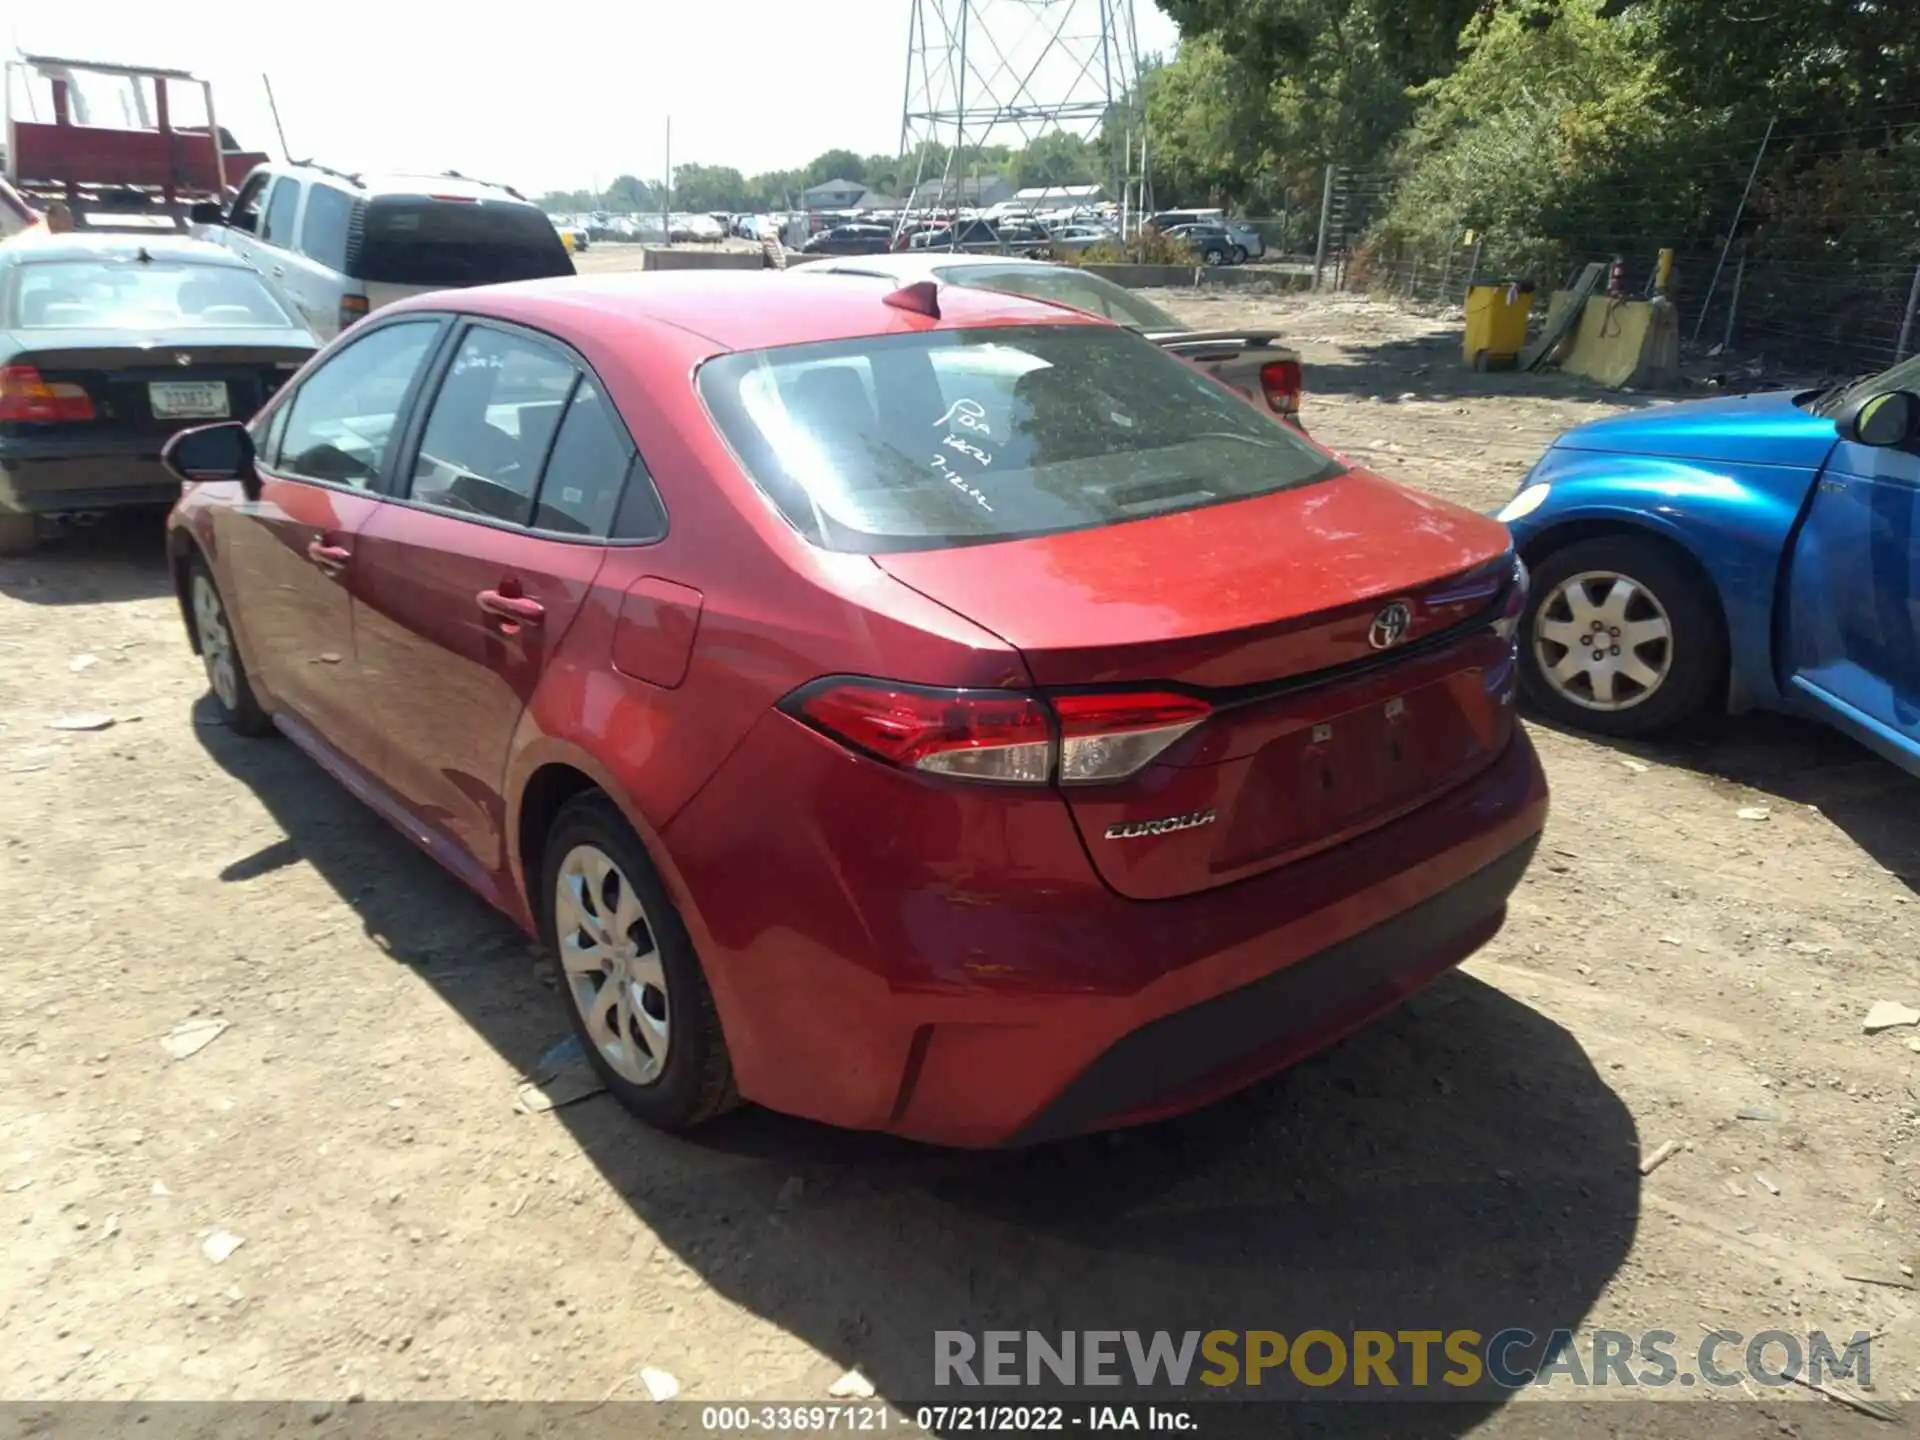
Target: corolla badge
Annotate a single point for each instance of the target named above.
(1193, 820)
(1390, 626)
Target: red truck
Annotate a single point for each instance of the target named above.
(126, 147)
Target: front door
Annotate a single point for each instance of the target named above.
(1854, 643)
(468, 582)
(290, 554)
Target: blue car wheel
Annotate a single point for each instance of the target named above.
(1621, 636)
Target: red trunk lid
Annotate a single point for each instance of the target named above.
(1269, 608)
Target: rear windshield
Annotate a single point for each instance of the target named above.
(959, 437)
(1063, 285)
(140, 295)
(420, 241)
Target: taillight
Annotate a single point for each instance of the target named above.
(27, 396)
(1280, 382)
(352, 308)
(1110, 736)
(1004, 736)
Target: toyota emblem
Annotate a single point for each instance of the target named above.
(181, 357)
(1390, 626)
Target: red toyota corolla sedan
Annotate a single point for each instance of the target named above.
(924, 710)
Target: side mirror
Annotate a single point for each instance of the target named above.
(1889, 418)
(206, 213)
(212, 452)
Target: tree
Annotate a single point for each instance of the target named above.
(1058, 158)
(710, 187)
(629, 194)
(835, 165)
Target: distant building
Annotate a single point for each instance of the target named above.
(833, 195)
(846, 195)
(1059, 197)
(976, 193)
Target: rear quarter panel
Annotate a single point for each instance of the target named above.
(1736, 521)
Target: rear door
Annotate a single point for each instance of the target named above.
(279, 227)
(468, 582)
(1854, 595)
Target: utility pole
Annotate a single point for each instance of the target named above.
(278, 128)
(1326, 215)
(1906, 325)
(666, 191)
(1739, 210)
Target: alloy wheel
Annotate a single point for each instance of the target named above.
(612, 964)
(216, 642)
(1603, 640)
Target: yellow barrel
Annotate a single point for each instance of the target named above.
(1497, 313)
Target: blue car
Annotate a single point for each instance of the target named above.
(1751, 552)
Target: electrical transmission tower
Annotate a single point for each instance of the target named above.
(1007, 72)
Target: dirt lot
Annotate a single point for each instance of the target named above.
(1471, 1161)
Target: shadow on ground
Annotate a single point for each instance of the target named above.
(1804, 763)
(1458, 1165)
(123, 557)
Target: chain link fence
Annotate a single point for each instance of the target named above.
(1835, 304)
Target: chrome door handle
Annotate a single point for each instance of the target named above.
(330, 558)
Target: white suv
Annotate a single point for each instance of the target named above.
(339, 245)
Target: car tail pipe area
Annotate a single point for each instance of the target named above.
(58, 520)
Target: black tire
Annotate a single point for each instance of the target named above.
(240, 710)
(1696, 651)
(1239, 256)
(695, 1084)
(18, 535)
(1212, 255)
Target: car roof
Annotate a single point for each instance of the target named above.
(398, 183)
(737, 309)
(77, 245)
(908, 266)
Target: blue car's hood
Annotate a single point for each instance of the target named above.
(1764, 429)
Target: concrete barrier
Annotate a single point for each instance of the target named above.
(1621, 342)
(717, 260)
(702, 260)
(1143, 277)
(1260, 277)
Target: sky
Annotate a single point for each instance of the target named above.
(559, 95)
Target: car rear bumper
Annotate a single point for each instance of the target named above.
(47, 477)
(987, 996)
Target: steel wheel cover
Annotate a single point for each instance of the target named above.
(1603, 641)
(612, 964)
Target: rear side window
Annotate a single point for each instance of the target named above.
(584, 475)
(323, 230)
(417, 240)
(491, 425)
(955, 437)
(281, 205)
(341, 421)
